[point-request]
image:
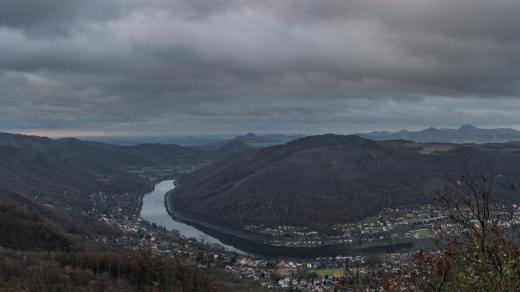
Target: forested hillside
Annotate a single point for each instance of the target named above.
(331, 179)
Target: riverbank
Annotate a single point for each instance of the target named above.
(256, 244)
(200, 223)
(155, 212)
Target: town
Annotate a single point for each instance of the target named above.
(318, 274)
(301, 274)
(390, 224)
(313, 274)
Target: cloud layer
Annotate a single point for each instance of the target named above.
(158, 66)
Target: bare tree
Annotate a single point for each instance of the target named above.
(476, 249)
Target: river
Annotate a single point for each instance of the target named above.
(154, 211)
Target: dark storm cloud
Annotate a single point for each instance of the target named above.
(236, 65)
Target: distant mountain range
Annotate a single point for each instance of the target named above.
(464, 134)
(197, 141)
(266, 140)
(321, 180)
(250, 140)
(158, 139)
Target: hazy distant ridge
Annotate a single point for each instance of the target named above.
(464, 134)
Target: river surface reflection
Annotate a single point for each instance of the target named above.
(154, 211)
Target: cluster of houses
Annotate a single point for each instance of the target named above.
(389, 224)
(320, 274)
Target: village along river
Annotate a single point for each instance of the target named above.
(154, 211)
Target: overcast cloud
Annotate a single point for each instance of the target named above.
(221, 66)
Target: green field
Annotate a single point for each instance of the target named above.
(323, 272)
(423, 233)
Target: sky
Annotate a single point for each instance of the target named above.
(134, 67)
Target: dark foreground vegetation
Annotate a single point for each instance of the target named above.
(49, 249)
(109, 271)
